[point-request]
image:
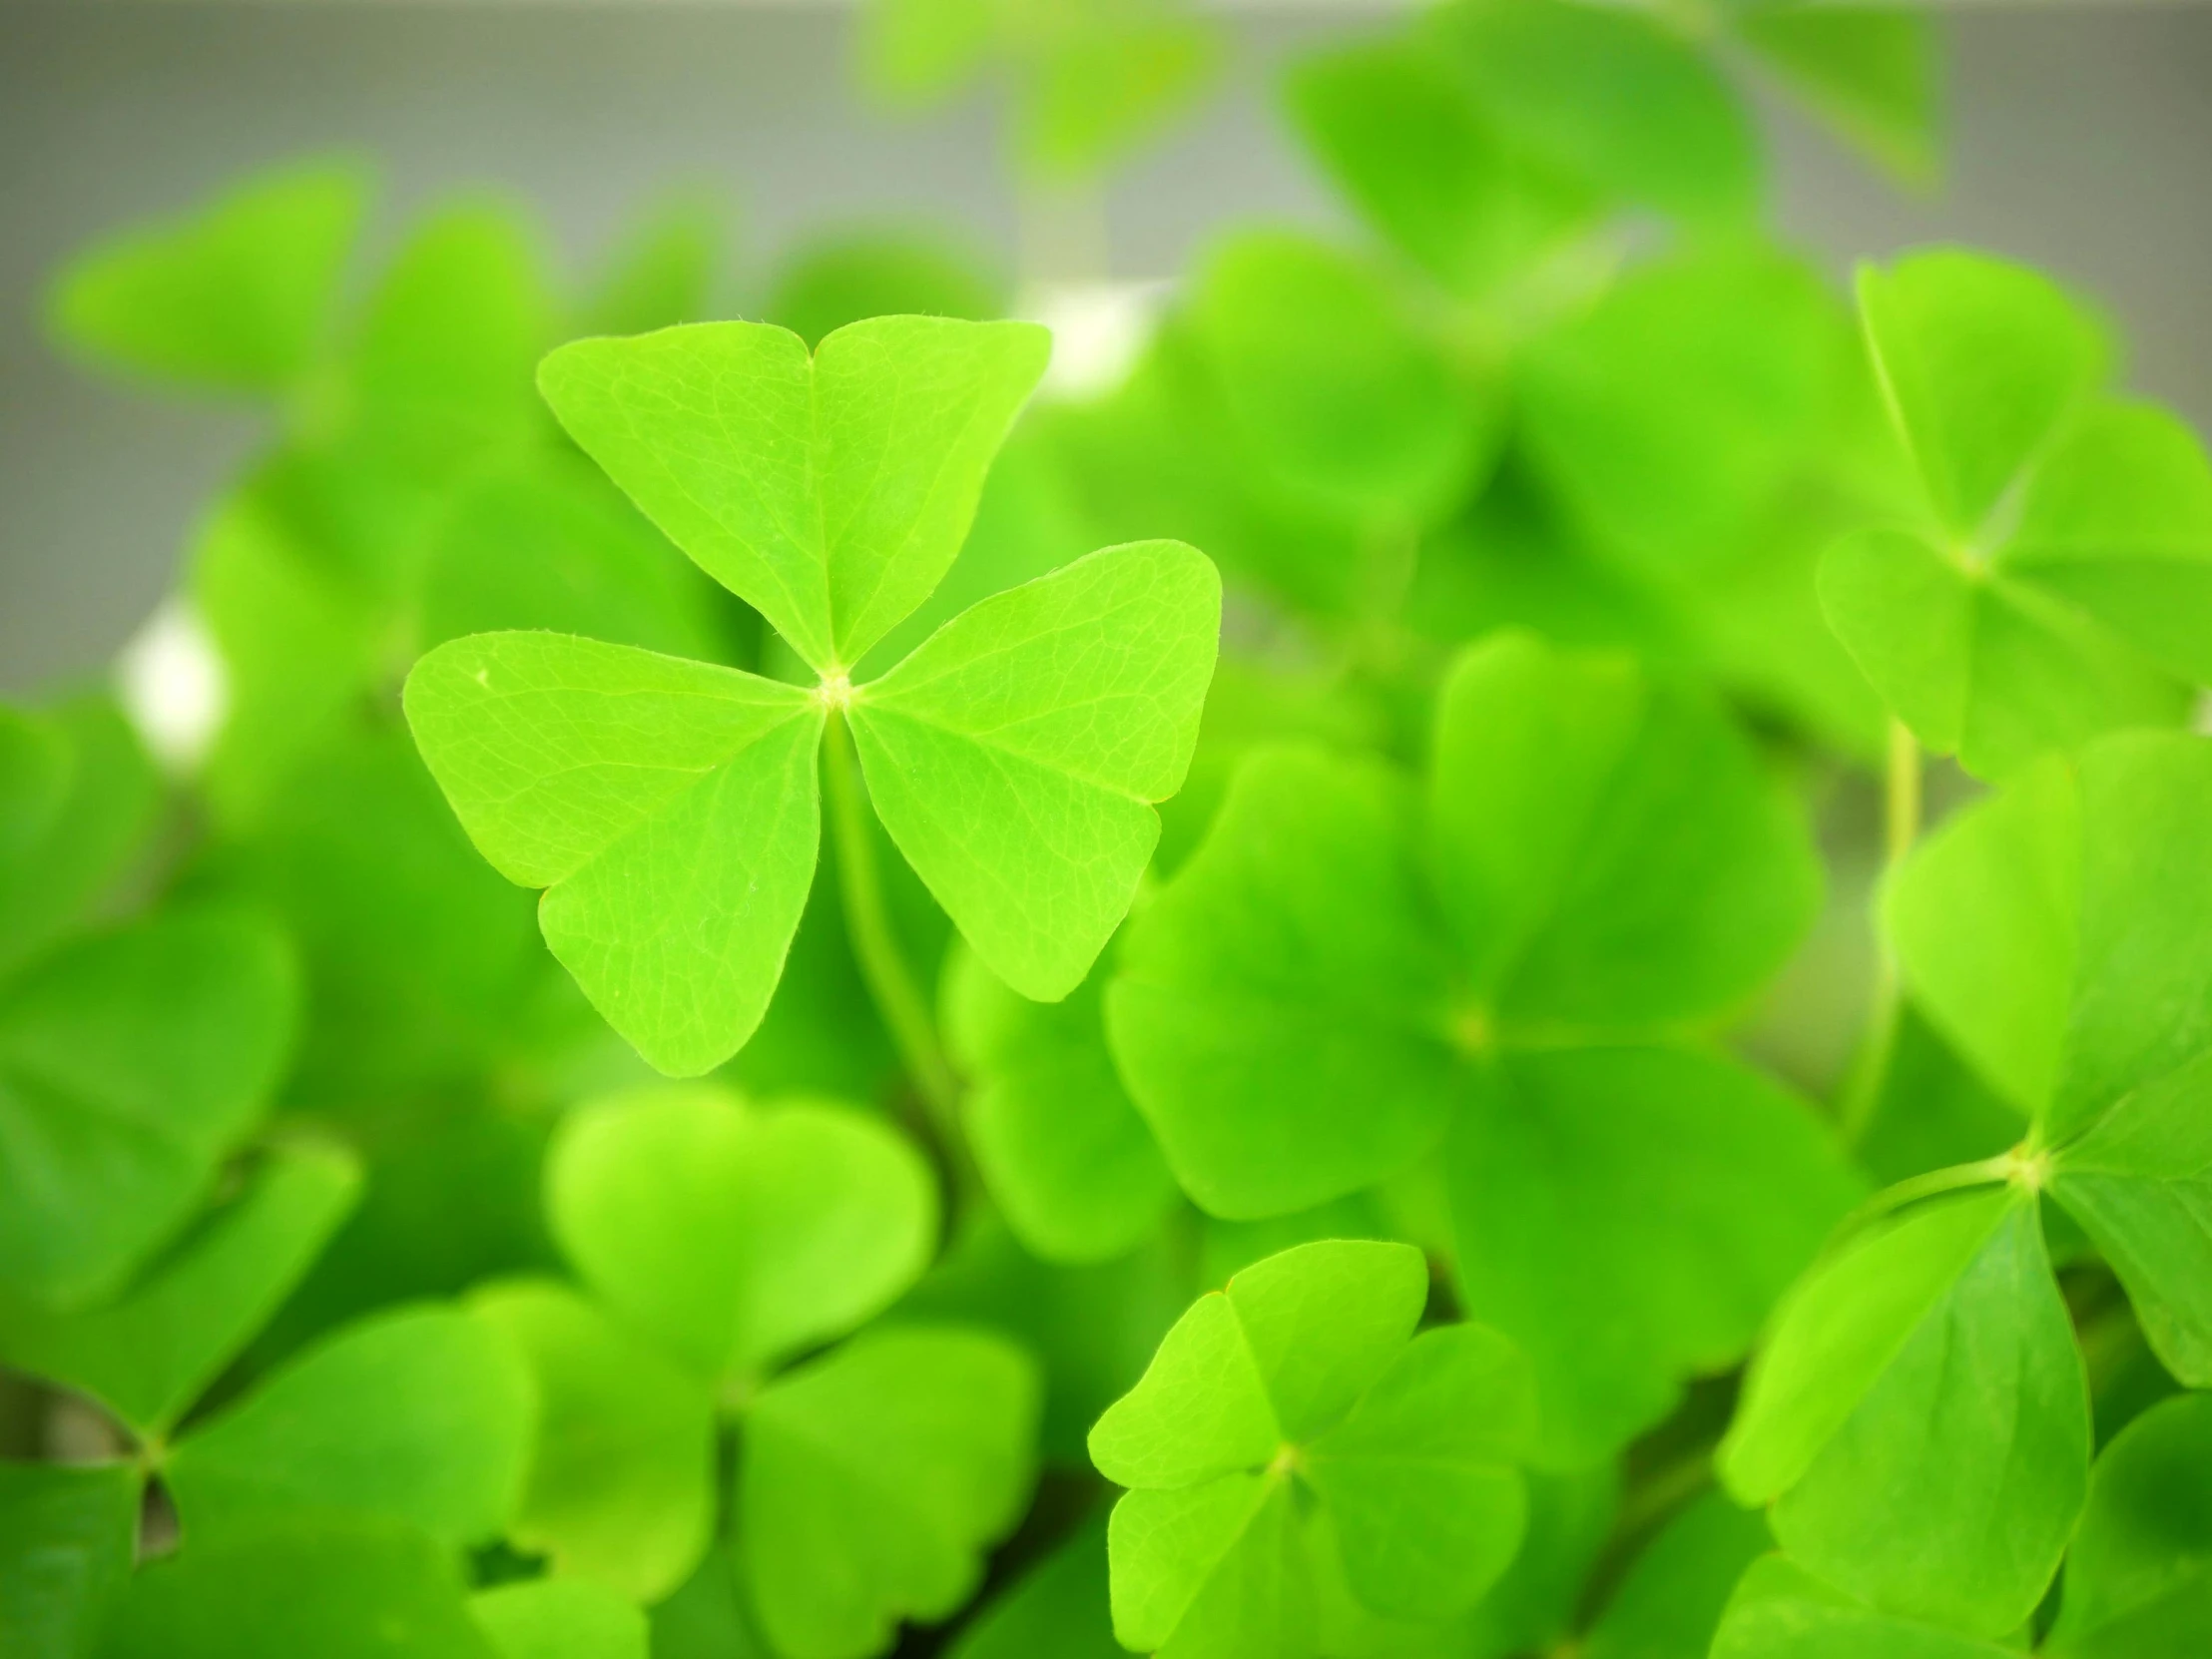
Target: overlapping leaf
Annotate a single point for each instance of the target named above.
(2139, 1574)
(2059, 582)
(1339, 974)
(1305, 1376)
(68, 1539)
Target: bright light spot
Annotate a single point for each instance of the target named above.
(171, 680)
(1099, 330)
(836, 690)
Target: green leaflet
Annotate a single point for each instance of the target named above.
(2051, 936)
(619, 1491)
(68, 1538)
(842, 280)
(1334, 977)
(2063, 578)
(1673, 411)
(1060, 1606)
(130, 1063)
(831, 491)
(1069, 1160)
(1305, 1375)
(420, 1415)
(238, 298)
(148, 1354)
(559, 1618)
(1781, 1611)
(78, 795)
(1872, 73)
(1411, 148)
(1671, 1601)
(354, 1587)
(670, 807)
(2139, 1575)
(736, 1235)
(1611, 97)
(872, 1481)
(1338, 391)
(1921, 1414)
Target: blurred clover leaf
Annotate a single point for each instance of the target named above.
(1090, 79)
(2139, 1572)
(2057, 581)
(671, 806)
(1781, 1611)
(720, 1242)
(1343, 972)
(1294, 1429)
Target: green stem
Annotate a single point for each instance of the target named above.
(868, 921)
(1900, 828)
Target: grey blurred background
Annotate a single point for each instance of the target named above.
(2081, 139)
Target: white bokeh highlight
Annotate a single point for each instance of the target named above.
(1099, 331)
(170, 682)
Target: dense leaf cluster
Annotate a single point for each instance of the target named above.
(1328, 1097)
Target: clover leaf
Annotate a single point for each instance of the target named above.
(1072, 1165)
(148, 1354)
(873, 1478)
(670, 807)
(559, 1618)
(238, 298)
(2139, 1573)
(1919, 1418)
(735, 1237)
(1341, 974)
(131, 1064)
(2049, 934)
(1670, 1603)
(1781, 1611)
(620, 1487)
(2059, 580)
(1305, 1377)
(421, 1414)
(352, 1587)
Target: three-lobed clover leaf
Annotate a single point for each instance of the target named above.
(1294, 1426)
(2057, 580)
(723, 1241)
(2057, 936)
(1343, 973)
(670, 807)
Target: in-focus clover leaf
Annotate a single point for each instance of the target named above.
(1920, 1419)
(1336, 976)
(873, 1481)
(1305, 1377)
(736, 1235)
(68, 1539)
(236, 297)
(1611, 96)
(2063, 581)
(2139, 1573)
(1338, 393)
(2055, 934)
(421, 1416)
(1072, 1165)
(339, 1588)
(148, 1354)
(618, 1489)
(1781, 1611)
(78, 796)
(130, 1063)
(560, 1618)
(671, 807)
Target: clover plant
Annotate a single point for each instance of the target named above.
(1512, 958)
